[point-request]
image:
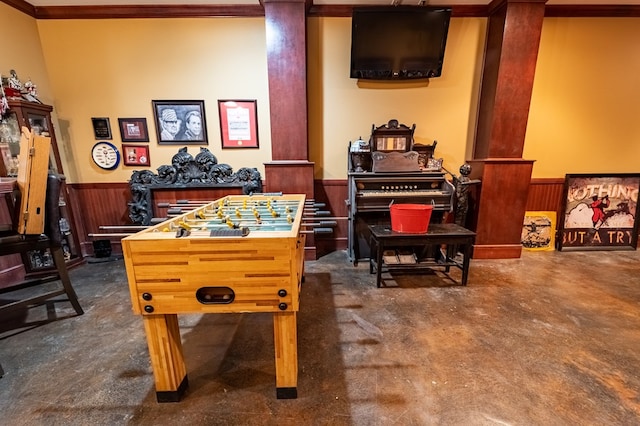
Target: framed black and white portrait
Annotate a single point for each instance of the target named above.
(180, 122)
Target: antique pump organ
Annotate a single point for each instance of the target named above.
(391, 168)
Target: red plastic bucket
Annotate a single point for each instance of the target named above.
(410, 218)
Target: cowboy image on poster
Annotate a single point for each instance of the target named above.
(239, 124)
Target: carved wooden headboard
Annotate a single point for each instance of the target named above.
(185, 171)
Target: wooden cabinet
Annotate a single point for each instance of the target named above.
(37, 117)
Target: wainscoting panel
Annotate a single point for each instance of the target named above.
(97, 204)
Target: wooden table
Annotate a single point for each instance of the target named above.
(455, 237)
(171, 272)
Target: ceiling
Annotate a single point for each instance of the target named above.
(46, 3)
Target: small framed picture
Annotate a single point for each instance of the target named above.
(539, 231)
(238, 123)
(135, 155)
(180, 122)
(101, 127)
(133, 129)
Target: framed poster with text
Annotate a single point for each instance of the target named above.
(599, 212)
(238, 123)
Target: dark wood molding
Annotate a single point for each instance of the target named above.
(22, 6)
(337, 10)
(592, 11)
(345, 11)
(147, 11)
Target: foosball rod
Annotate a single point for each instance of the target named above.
(111, 235)
(177, 209)
(305, 213)
(314, 231)
(179, 203)
(126, 227)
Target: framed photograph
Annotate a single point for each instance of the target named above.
(135, 155)
(599, 212)
(133, 129)
(539, 231)
(180, 122)
(101, 127)
(238, 123)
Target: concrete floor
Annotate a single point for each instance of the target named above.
(552, 338)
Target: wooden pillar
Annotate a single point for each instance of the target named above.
(290, 171)
(511, 53)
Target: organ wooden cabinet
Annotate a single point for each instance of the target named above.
(37, 117)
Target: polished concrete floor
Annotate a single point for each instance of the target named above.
(552, 338)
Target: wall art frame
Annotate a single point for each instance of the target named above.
(599, 212)
(539, 231)
(133, 129)
(101, 128)
(135, 155)
(238, 123)
(180, 122)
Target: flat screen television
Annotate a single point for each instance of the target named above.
(398, 42)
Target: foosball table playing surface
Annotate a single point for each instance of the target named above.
(237, 254)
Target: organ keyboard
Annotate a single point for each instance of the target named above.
(370, 195)
(380, 175)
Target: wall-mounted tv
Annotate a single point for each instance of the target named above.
(398, 42)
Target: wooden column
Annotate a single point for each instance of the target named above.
(290, 171)
(511, 54)
(287, 71)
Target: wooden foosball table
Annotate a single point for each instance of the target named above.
(237, 254)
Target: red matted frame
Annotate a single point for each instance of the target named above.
(135, 155)
(238, 123)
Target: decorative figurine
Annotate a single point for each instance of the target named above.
(14, 81)
(32, 89)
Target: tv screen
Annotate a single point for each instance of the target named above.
(398, 42)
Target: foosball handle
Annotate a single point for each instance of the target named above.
(317, 231)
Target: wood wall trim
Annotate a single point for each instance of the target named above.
(22, 6)
(345, 11)
(106, 204)
(501, 251)
(338, 11)
(592, 11)
(147, 11)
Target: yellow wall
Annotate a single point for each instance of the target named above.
(114, 68)
(582, 119)
(21, 50)
(584, 114)
(342, 110)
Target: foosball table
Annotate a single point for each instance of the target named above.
(237, 254)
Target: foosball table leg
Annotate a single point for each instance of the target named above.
(167, 360)
(286, 351)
